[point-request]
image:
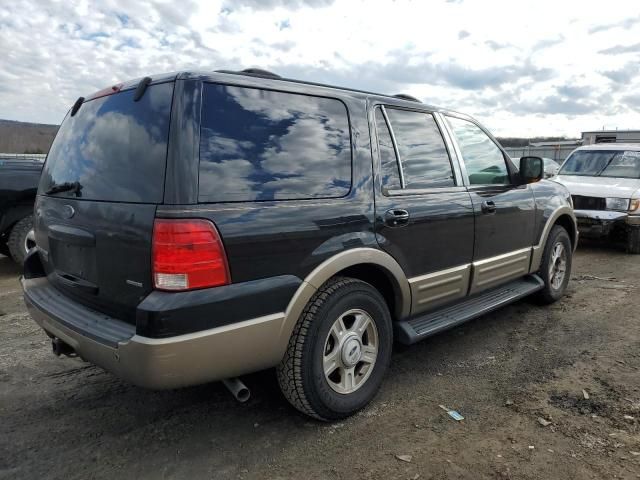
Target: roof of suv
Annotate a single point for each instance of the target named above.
(249, 77)
(611, 146)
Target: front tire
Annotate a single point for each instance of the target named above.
(555, 268)
(339, 350)
(633, 240)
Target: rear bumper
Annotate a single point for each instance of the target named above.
(157, 363)
(600, 223)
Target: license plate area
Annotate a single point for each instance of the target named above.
(75, 260)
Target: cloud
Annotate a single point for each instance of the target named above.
(624, 75)
(619, 49)
(627, 23)
(493, 45)
(488, 65)
(632, 100)
(271, 4)
(555, 104)
(573, 91)
(404, 70)
(548, 43)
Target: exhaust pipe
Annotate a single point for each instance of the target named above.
(238, 389)
(61, 348)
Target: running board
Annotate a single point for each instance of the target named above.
(415, 329)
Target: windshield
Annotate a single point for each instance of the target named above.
(112, 149)
(603, 163)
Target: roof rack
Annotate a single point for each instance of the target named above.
(404, 96)
(253, 72)
(258, 72)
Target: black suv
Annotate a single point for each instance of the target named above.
(200, 226)
(19, 177)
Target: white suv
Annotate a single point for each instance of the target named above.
(604, 181)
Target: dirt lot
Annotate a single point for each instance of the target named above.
(61, 418)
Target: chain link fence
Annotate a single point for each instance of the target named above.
(557, 153)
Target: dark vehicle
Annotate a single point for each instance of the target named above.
(18, 185)
(200, 226)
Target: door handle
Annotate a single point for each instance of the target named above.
(488, 207)
(396, 217)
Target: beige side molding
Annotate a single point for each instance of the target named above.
(333, 265)
(493, 271)
(433, 289)
(538, 250)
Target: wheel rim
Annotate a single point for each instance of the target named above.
(557, 265)
(350, 351)
(29, 241)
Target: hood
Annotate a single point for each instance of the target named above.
(599, 186)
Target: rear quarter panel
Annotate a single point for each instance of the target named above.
(269, 238)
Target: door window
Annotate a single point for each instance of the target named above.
(483, 159)
(423, 155)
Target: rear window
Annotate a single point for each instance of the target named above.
(263, 145)
(115, 149)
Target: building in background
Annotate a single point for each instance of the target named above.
(556, 150)
(611, 136)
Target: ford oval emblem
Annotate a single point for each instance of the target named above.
(68, 211)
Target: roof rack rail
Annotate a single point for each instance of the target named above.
(404, 96)
(253, 72)
(259, 72)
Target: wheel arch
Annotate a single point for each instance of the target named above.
(568, 223)
(12, 216)
(563, 216)
(368, 264)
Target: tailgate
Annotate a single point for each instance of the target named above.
(101, 256)
(100, 186)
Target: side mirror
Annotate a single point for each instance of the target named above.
(531, 169)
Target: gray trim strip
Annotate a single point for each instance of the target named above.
(456, 148)
(423, 191)
(395, 145)
(454, 155)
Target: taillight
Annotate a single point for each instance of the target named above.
(188, 254)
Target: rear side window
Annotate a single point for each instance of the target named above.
(483, 159)
(423, 155)
(389, 172)
(264, 145)
(114, 148)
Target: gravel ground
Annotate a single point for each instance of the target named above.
(546, 392)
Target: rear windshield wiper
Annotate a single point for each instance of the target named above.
(73, 187)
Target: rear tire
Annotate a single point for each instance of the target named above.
(19, 239)
(555, 268)
(339, 350)
(633, 240)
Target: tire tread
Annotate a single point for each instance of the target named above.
(289, 371)
(16, 238)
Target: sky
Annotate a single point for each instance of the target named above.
(523, 68)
